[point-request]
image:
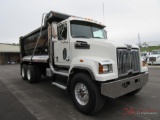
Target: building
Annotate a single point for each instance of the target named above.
(9, 53)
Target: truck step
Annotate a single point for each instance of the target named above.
(62, 72)
(59, 85)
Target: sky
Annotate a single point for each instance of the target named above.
(124, 19)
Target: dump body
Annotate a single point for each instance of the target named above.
(28, 42)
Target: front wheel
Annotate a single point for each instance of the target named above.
(86, 94)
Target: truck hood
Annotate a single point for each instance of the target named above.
(104, 42)
(101, 48)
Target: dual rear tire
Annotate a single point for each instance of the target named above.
(32, 73)
(24, 72)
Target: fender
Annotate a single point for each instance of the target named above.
(84, 69)
(91, 65)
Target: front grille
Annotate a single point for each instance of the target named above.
(128, 61)
(152, 59)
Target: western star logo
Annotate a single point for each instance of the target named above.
(129, 47)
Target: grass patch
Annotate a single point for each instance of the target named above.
(150, 48)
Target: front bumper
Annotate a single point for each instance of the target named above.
(124, 86)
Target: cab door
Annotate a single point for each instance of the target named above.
(61, 47)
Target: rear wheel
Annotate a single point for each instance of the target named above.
(86, 94)
(24, 72)
(31, 74)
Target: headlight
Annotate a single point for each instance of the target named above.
(105, 68)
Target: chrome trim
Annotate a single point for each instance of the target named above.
(105, 62)
(23, 72)
(81, 94)
(128, 61)
(116, 88)
(37, 58)
(59, 85)
(152, 59)
(129, 47)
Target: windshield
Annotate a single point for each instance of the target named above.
(155, 52)
(82, 29)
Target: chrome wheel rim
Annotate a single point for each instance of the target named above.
(22, 72)
(81, 94)
(28, 74)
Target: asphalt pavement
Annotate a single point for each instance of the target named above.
(20, 100)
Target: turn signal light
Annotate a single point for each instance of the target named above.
(100, 69)
(81, 60)
(107, 68)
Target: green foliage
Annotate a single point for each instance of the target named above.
(150, 48)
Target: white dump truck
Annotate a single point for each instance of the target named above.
(78, 49)
(154, 57)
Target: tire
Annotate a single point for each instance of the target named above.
(38, 74)
(95, 100)
(134, 92)
(24, 72)
(31, 74)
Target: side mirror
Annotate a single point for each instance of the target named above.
(54, 32)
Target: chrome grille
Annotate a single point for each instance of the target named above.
(128, 61)
(152, 59)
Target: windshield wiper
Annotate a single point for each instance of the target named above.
(81, 37)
